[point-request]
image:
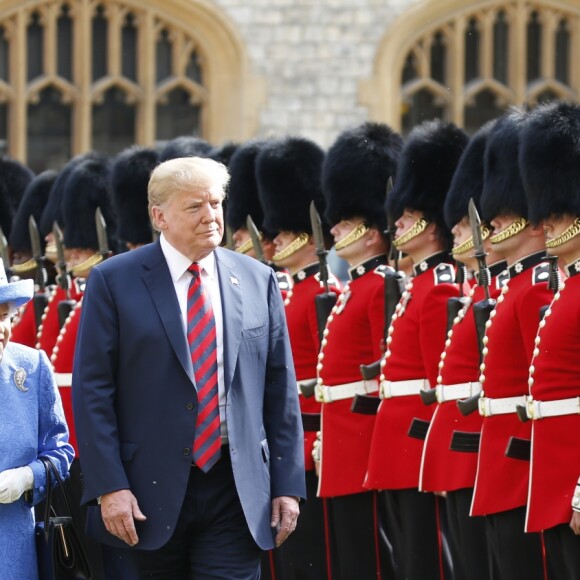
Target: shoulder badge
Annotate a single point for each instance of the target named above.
(444, 274)
(284, 280)
(541, 273)
(383, 269)
(501, 279)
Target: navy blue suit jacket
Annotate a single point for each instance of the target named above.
(135, 401)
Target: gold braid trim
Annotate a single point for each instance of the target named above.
(292, 247)
(467, 245)
(23, 268)
(247, 245)
(570, 232)
(356, 234)
(417, 228)
(82, 269)
(518, 225)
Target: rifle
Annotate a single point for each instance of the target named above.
(256, 238)
(40, 299)
(63, 279)
(483, 308)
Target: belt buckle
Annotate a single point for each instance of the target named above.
(578, 405)
(439, 394)
(483, 407)
(319, 394)
(531, 408)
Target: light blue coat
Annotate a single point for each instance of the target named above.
(32, 424)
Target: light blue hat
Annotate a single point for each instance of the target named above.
(18, 293)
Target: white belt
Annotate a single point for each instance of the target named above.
(63, 379)
(489, 407)
(347, 391)
(459, 391)
(391, 389)
(304, 381)
(541, 409)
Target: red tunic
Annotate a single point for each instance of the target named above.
(555, 463)
(24, 326)
(443, 469)
(62, 361)
(304, 340)
(417, 336)
(50, 326)
(502, 482)
(354, 335)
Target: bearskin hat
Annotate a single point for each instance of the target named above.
(356, 171)
(243, 199)
(87, 188)
(129, 179)
(33, 203)
(223, 153)
(467, 182)
(288, 173)
(53, 209)
(428, 162)
(14, 179)
(185, 146)
(503, 189)
(549, 159)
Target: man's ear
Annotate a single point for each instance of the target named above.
(158, 217)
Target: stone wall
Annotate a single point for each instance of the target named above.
(312, 55)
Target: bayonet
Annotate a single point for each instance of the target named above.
(5, 254)
(256, 239)
(480, 253)
(63, 277)
(230, 245)
(394, 254)
(324, 302)
(41, 276)
(101, 226)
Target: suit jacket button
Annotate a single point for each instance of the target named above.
(186, 451)
(189, 406)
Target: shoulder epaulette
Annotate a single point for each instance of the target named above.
(383, 269)
(541, 273)
(284, 280)
(444, 274)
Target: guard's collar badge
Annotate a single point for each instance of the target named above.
(19, 379)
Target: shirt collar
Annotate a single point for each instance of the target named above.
(178, 263)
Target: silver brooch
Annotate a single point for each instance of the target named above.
(19, 378)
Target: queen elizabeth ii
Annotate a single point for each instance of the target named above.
(32, 425)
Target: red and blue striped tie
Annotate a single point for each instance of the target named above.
(201, 336)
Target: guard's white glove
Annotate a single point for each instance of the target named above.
(14, 482)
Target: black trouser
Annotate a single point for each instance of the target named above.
(415, 524)
(467, 538)
(563, 553)
(515, 554)
(358, 549)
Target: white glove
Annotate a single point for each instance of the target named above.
(14, 482)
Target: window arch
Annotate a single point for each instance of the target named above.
(468, 63)
(77, 75)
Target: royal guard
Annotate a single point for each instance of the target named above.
(129, 179)
(243, 201)
(24, 264)
(50, 322)
(415, 339)
(449, 458)
(289, 181)
(14, 179)
(87, 188)
(550, 166)
(501, 483)
(354, 180)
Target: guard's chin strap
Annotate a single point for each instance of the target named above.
(417, 228)
(81, 270)
(247, 245)
(570, 232)
(356, 234)
(518, 225)
(23, 268)
(295, 245)
(467, 245)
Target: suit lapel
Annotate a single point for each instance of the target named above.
(232, 303)
(158, 281)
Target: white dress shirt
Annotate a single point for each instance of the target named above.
(178, 265)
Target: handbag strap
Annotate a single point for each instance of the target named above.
(51, 470)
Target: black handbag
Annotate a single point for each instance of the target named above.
(59, 552)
